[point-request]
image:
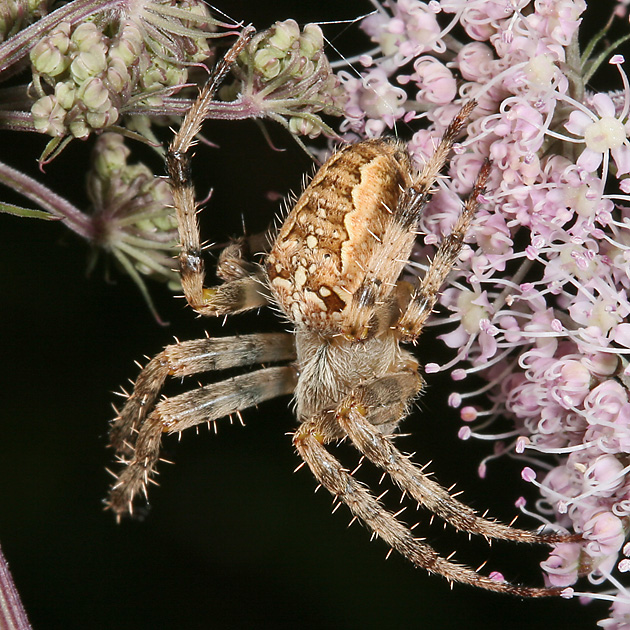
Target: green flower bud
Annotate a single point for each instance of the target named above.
(59, 37)
(79, 128)
(88, 64)
(153, 101)
(175, 75)
(49, 116)
(86, 36)
(94, 95)
(302, 127)
(65, 93)
(305, 68)
(283, 34)
(152, 75)
(48, 59)
(100, 120)
(111, 155)
(311, 41)
(129, 45)
(267, 63)
(117, 76)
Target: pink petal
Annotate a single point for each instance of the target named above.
(604, 105)
(590, 160)
(621, 156)
(622, 335)
(578, 122)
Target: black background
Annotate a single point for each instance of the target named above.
(233, 539)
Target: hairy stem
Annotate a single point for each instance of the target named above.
(12, 613)
(76, 220)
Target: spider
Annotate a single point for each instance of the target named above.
(333, 271)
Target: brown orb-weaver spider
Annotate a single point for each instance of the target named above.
(334, 271)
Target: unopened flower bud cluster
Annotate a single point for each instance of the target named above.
(133, 213)
(285, 71)
(85, 76)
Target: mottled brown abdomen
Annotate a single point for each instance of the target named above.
(317, 260)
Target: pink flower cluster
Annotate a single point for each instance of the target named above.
(540, 306)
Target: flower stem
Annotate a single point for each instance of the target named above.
(76, 220)
(12, 613)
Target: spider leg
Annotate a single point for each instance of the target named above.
(366, 407)
(187, 358)
(234, 260)
(425, 295)
(181, 412)
(242, 293)
(329, 472)
(179, 360)
(235, 296)
(370, 310)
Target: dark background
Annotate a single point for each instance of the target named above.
(233, 539)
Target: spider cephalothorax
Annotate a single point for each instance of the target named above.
(334, 271)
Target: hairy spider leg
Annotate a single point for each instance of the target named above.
(136, 432)
(329, 472)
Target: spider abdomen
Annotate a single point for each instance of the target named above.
(318, 260)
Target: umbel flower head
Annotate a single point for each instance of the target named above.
(132, 217)
(284, 75)
(540, 308)
(87, 75)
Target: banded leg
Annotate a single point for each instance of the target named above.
(329, 473)
(358, 415)
(425, 295)
(236, 296)
(187, 410)
(244, 293)
(187, 358)
(372, 305)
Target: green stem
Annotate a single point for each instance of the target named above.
(595, 63)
